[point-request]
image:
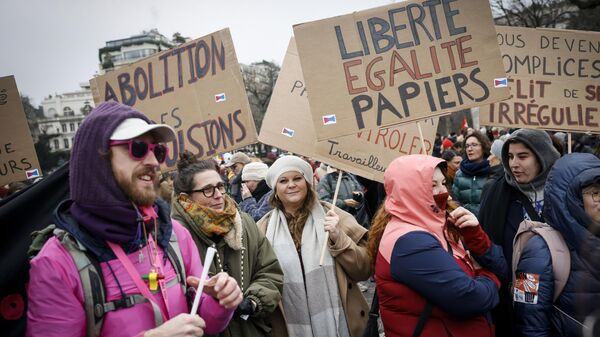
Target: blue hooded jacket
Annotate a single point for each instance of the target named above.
(564, 211)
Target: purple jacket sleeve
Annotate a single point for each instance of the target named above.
(55, 306)
(256, 209)
(215, 316)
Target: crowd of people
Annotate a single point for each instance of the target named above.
(437, 237)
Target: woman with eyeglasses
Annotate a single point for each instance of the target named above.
(473, 173)
(214, 220)
(319, 300)
(572, 207)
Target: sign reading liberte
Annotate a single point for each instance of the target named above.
(399, 63)
(554, 77)
(288, 125)
(18, 159)
(196, 88)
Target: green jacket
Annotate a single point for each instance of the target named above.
(263, 277)
(467, 189)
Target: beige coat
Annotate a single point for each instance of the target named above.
(351, 265)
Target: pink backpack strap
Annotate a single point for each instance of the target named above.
(559, 251)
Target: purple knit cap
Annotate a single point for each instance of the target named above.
(90, 175)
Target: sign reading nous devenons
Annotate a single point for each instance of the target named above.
(288, 125)
(554, 77)
(18, 160)
(196, 88)
(399, 63)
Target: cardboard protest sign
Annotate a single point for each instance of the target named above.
(554, 77)
(196, 88)
(399, 63)
(18, 160)
(288, 125)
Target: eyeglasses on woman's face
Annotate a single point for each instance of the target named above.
(209, 190)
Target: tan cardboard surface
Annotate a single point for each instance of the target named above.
(18, 160)
(288, 125)
(196, 88)
(399, 63)
(554, 77)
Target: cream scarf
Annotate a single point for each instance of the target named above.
(311, 300)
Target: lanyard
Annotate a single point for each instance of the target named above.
(135, 276)
(161, 282)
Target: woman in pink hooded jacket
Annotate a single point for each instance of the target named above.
(427, 280)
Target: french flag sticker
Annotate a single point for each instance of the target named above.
(500, 82)
(220, 97)
(329, 119)
(32, 173)
(287, 132)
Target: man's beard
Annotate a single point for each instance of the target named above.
(139, 196)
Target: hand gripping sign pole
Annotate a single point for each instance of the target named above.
(335, 195)
(210, 254)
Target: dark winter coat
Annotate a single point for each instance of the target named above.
(467, 190)
(262, 275)
(563, 210)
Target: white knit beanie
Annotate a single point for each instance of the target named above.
(496, 148)
(254, 171)
(286, 164)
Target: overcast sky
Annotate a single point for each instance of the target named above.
(52, 45)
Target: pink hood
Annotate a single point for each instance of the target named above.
(407, 182)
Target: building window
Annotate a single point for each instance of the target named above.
(57, 130)
(56, 144)
(64, 127)
(68, 111)
(66, 143)
(72, 127)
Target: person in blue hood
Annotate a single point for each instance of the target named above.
(572, 207)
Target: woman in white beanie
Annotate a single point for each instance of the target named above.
(255, 191)
(316, 300)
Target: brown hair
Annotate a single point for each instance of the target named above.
(187, 167)
(295, 221)
(380, 221)
(483, 140)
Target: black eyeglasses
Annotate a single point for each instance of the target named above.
(209, 191)
(138, 149)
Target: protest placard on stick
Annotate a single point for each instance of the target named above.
(399, 63)
(196, 88)
(288, 125)
(554, 77)
(18, 159)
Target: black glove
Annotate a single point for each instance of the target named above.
(244, 308)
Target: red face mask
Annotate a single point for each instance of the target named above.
(441, 200)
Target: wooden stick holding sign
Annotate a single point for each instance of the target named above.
(335, 195)
(569, 146)
(422, 138)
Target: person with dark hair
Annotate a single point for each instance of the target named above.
(320, 295)
(473, 172)
(243, 252)
(453, 161)
(428, 283)
(527, 157)
(571, 207)
(114, 231)
(15, 187)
